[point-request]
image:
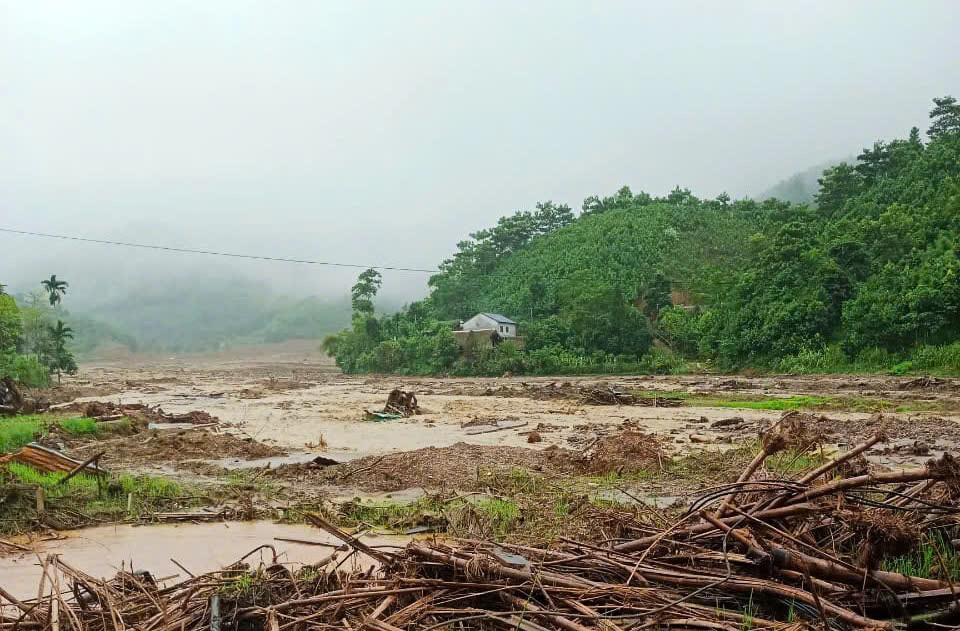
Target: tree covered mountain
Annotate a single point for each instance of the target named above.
(868, 275)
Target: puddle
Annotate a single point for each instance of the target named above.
(618, 496)
(273, 461)
(170, 425)
(200, 548)
(406, 496)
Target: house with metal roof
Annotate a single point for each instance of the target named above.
(494, 322)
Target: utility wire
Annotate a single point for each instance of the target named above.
(274, 258)
(212, 253)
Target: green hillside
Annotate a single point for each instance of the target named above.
(867, 279)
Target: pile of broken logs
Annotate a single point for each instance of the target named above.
(609, 396)
(109, 411)
(761, 553)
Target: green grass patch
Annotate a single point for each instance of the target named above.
(80, 501)
(391, 515)
(120, 484)
(785, 403)
(80, 425)
(790, 461)
(802, 402)
(613, 479)
(795, 402)
(925, 561)
(662, 394)
(17, 431)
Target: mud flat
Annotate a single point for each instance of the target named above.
(297, 405)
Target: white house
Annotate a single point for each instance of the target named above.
(504, 326)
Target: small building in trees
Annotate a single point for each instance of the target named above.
(486, 330)
(493, 322)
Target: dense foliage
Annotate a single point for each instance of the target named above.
(31, 345)
(866, 277)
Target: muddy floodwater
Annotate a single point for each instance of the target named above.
(291, 405)
(298, 401)
(104, 550)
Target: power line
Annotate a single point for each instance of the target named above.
(725, 282)
(212, 253)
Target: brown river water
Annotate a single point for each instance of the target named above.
(103, 550)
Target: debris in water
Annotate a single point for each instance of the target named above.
(794, 554)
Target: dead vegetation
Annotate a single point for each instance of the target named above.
(402, 403)
(767, 553)
(464, 466)
(14, 401)
(917, 435)
(581, 395)
(174, 446)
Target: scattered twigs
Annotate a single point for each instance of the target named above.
(815, 560)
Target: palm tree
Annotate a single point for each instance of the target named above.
(62, 360)
(61, 333)
(55, 288)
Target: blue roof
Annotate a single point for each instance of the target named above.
(502, 319)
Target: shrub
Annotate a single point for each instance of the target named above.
(11, 325)
(680, 329)
(25, 369)
(826, 359)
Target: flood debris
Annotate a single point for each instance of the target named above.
(225, 513)
(583, 395)
(14, 401)
(927, 382)
(166, 446)
(110, 411)
(380, 416)
(44, 459)
(628, 450)
(494, 425)
(768, 553)
(402, 403)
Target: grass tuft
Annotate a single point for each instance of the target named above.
(925, 561)
(17, 431)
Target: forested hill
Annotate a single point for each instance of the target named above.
(867, 276)
(192, 316)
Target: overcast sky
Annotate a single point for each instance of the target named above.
(384, 132)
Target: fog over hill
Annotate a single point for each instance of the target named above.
(383, 134)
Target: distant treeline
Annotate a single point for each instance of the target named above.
(867, 277)
(198, 316)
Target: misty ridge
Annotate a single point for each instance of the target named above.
(182, 303)
(386, 135)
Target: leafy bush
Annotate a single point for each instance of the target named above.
(681, 330)
(11, 325)
(826, 359)
(27, 370)
(660, 361)
(944, 359)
